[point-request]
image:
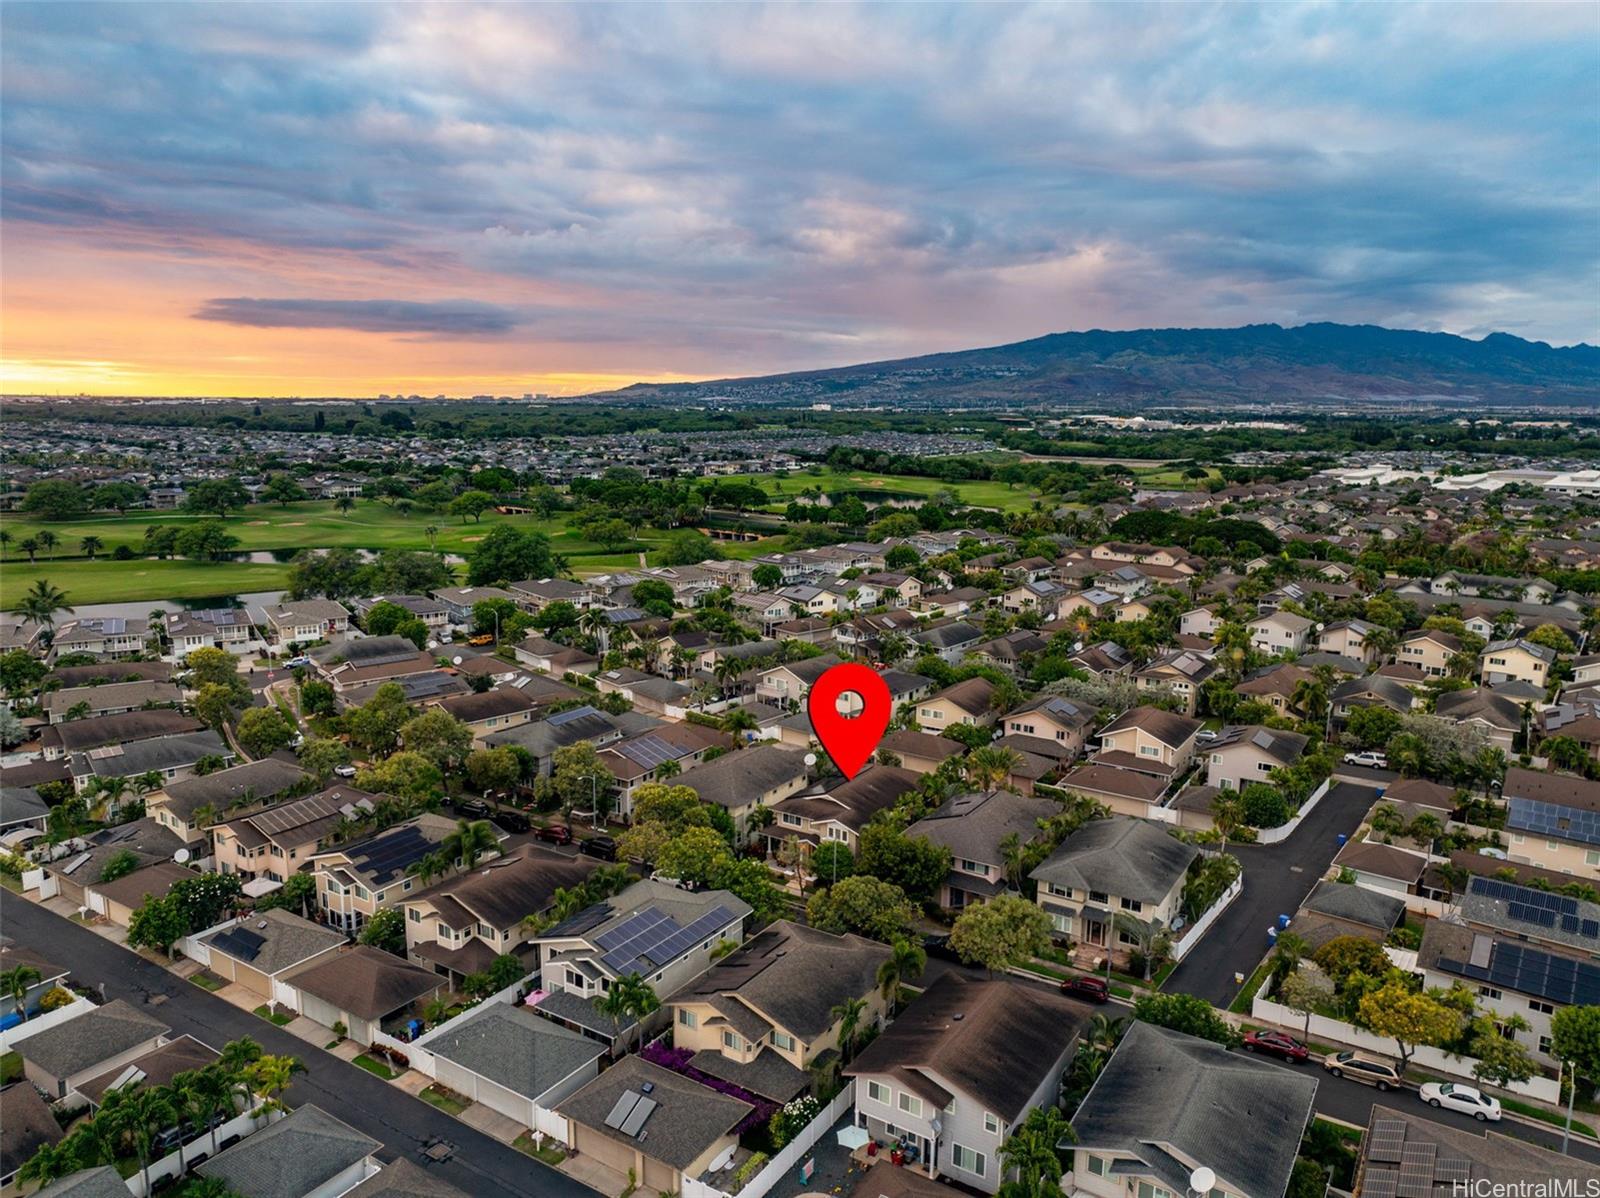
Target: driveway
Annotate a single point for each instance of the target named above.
(1277, 877)
(480, 1165)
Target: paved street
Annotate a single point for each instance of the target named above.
(481, 1166)
(1276, 878)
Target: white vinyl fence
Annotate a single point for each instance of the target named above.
(44, 1019)
(1192, 934)
(168, 1166)
(789, 1158)
(1282, 833)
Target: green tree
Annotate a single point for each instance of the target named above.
(1575, 1037)
(767, 577)
(158, 924)
(20, 672)
(386, 930)
(320, 756)
(408, 776)
(469, 841)
(917, 866)
(1005, 931)
(630, 997)
(55, 499)
(847, 1017)
(42, 603)
(16, 982)
(905, 962)
(864, 905)
(493, 769)
(831, 861)
(216, 495)
(214, 705)
(206, 541)
(1185, 1013)
(1502, 1060)
(376, 724)
(471, 505)
(384, 617)
(1410, 1018)
(263, 730)
(438, 736)
(693, 855)
(1033, 1152)
(507, 554)
(119, 865)
(283, 490)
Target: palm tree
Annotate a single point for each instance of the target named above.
(271, 1075)
(1453, 876)
(432, 533)
(848, 1016)
(91, 545)
(344, 503)
(1014, 852)
(16, 982)
(1311, 697)
(598, 625)
(470, 839)
(905, 960)
(630, 997)
(30, 546)
(5, 540)
(1033, 1150)
(988, 767)
(140, 1114)
(235, 1062)
(1150, 938)
(436, 1012)
(431, 866)
(48, 541)
(42, 603)
(211, 1092)
(1227, 815)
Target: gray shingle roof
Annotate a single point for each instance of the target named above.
(973, 825)
(275, 940)
(514, 1048)
(81, 1043)
(103, 1182)
(292, 1157)
(738, 778)
(402, 1179)
(1357, 904)
(1240, 1117)
(688, 1118)
(254, 780)
(367, 982)
(1129, 858)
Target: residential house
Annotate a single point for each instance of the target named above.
(102, 636)
(1430, 650)
(535, 594)
(305, 621)
(1553, 821)
(264, 948)
(1497, 715)
(431, 611)
(969, 702)
(1149, 740)
(930, 1078)
(762, 1015)
(190, 805)
(543, 737)
(975, 828)
(70, 737)
(353, 663)
(490, 711)
(171, 757)
(637, 760)
(366, 989)
(26, 1125)
(355, 881)
(1335, 909)
(513, 1062)
(113, 698)
(950, 642)
(117, 900)
(791, 682)
(1200, 621)
(1108, 873)
(1128, 791)
(1448, 1159)
(274, 844)
(457, 927)
(1167, 1104)
(1372, 691)
(1067, 722)
(458, 601)
(57, 1059)
(307, 1154)
(1516, 661)
(1244, 753)
(1181, 673)
(228, 628)
(839, 814)
(542, 653)
(1349, 638)
(919, 752)
(762, 775)
(642, 1121)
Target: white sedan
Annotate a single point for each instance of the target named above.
(1461, 1098)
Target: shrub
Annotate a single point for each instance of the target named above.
(55, 999)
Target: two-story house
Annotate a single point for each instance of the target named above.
(1349, 638)
(637, 760)
(1431, 650)
(839, 814)
(458, 601)
(930, 1078)
(190, 805)
(356, 881)
(457, 927)
(1181, 673)
(1150, 740)
(305, 621)
(763, 1014)
(1281, 632)
(1167, 1105)
(1516, 661)
(1553, 821)
(974, 827)
(279, 841)
(969, 702)
(228, 628)
(1067, 722)
(761, 775)
(1109, 872)
(1244, 753)
(102, 636)
(490, 711)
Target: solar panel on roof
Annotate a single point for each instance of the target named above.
(387, 856)
(1380, 1183)
(648, 750)
(241, 943)
(622, 1108)
(1452, 1168)
(566, 717)
(634, 1123)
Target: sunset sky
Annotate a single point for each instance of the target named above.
(322, 199)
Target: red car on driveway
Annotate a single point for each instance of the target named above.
(1276, 1044)
(1087, 988)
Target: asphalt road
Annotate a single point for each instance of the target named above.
(1276, 878)
(481, 1165)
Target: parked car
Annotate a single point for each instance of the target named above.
(1359, 1067)
(512, 821)
(554, 833)
(937, 944)
(481, 639)
(345, 771)
(1466, 1099)
(297, 663)
(602, 847)
(1370, 758)
(474, 808)
(1276, 1044)
(1090, 989)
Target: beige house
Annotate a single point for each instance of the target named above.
(1249, 753)
(118, 900)
(1430, 650)
(1349, 638)
(920, 752)
(277, 842)
(1281, 632)
(355, 881)
(489, 711)
(1516, 661)
(188, 806)
(266, 947)
(1053, 718)
(1149, 736)
(1551, 821)
(968, 702)
(1182, 674)
(740, 782)
(59, 1058)
(763, 1014)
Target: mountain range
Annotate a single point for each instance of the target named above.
(1312, 364)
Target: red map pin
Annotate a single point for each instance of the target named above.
(850, 740)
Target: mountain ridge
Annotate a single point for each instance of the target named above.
(1314, 362)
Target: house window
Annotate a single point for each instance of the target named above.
(785, 1042)
(1544, 1045)
(910, 1104)
(991, 1123)
(1489, 992)
(1149, 751)
(687, 1017)
(1098, 1165)
(1544, 1008)
(1146, 1190)
(733, 1040)
(878, 1092)
(1592, 857)
(414, 915)
(967, 1160)
(1131, 905)
(1061, 923)
(1099, 896)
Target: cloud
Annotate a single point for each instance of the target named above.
(444, 318)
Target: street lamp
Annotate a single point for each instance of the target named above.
(594, 798)
(1566, 1131)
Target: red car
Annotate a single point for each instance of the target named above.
(1087, 988)
(554, 833)
(1276, 1044)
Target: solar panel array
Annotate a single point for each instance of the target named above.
(292, 815)
(1540, 818)
(648, 750)
(650, 938)
(222, 617)
(240, 942)
(566, 717)
(1388, 1138)
(1530, 970)
(1396, 1168)
(386, 857)
(1526, 895)
(629, 1113)
(378, 655)
(1416, 1170)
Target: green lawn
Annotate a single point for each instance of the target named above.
(206, 982)
(374, 1066)
(1545, 1116)
(972, 494)
(268, 527)
(10, 1068)
(279, 1019)
(526, 1143)
(1246, 997)
(446, 1100)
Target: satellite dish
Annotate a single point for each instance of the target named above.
(811, 759)
(456, 660)
(181, 856)
(1202, 1180)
